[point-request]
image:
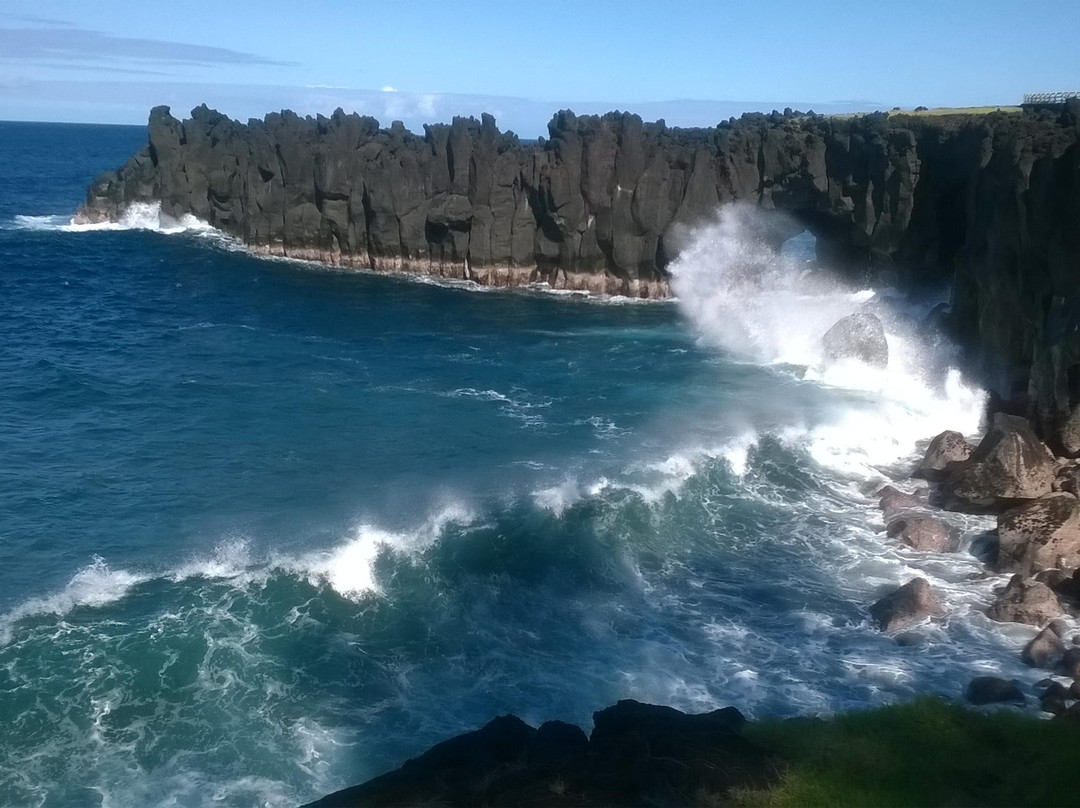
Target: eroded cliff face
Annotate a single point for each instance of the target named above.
(990, 203)
(599, 205)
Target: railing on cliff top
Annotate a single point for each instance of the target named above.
(1042, 99)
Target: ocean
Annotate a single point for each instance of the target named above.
(268, 529)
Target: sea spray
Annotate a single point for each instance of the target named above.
(760, 304)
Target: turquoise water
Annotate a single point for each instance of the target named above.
(267, 530)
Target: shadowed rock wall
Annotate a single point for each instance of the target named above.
(989, 203)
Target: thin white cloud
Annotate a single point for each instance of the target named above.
(77, 45)
(389, 89)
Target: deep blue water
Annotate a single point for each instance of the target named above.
(267, 530)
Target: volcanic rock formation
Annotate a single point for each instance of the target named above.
(988, 202)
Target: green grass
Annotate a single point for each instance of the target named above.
(929, 113)
(928, 752)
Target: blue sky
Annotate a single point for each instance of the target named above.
(690, 62)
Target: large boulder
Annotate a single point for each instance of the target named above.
(926, 533)
(1009, 465)
(858, 336)
(894, 501)
(994, 690)
(1046, 650)
(945, 449)
(1040, 535)
(1025, 601)
(907, 606)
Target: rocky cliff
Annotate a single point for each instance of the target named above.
(990, 203)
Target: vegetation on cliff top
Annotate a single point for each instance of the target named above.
(927, 752)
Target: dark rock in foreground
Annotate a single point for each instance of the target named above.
(638, 754)
(907, 606)
(994, 690)
(858, 336)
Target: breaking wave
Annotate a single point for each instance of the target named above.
(729, 561)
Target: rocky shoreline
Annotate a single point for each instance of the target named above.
(501, 276)
(1013, 475)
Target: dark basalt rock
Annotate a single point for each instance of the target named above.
(926, 533)
(907, 606)
(1009, 465)
(1026, 601)
(858, 336)
(994, 690)
(1040, 535)
(638, 754)
(1046, 650)
(945, 449)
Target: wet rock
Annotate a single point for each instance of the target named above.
(894, 501)
(1009, 465)
(1026, 601)
(1046, 650)
(945, 449)
(1039, 535)
(1053, 704)
(994, 690)
(907, 606)
(1049, 688)
(1065, 583)
(1071, 662)
(925, 533)
(858, 336)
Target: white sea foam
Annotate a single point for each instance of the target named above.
(561, 496)
(348, 567)
(771, 308)
(137, 216)
(95, 585)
